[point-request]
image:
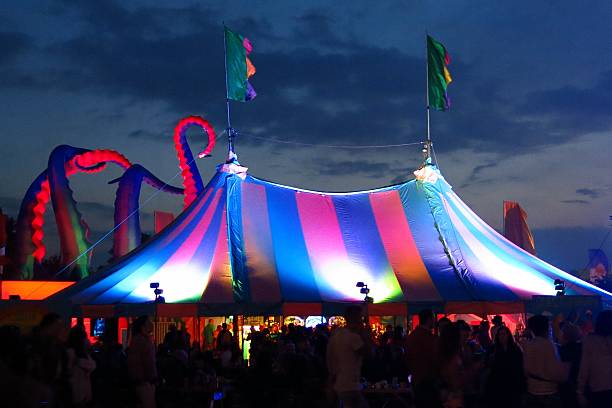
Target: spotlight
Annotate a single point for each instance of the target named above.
(154, 285)
(364, 290)
(158, 292)
(560, 287)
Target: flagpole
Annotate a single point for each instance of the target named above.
(427, 150)
(231, 155)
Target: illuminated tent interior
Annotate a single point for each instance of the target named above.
(252, 246)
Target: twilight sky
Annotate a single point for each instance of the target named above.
(531, 118)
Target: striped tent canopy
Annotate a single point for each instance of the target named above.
(252, 242)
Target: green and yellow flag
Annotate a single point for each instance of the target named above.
(438, 75)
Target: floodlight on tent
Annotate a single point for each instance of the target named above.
(560, 287)
(360, 284)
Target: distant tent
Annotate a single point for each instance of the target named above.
(598, 266)
(516, 229)
(162, 219)
(250, 245)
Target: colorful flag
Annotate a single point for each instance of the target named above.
(516, 229)
(438, 75)
(598, 266)
(238, 67)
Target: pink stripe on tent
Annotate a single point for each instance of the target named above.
(179, 261)
(400, 247)
(219, 286)
(328, 256)
(194, 212)
(261, 267)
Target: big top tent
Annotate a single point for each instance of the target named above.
(249, 242)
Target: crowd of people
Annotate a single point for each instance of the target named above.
(437, 364)
(549, 364)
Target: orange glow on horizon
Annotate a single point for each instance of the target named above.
(31, 290)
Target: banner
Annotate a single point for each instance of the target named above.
(516, 229)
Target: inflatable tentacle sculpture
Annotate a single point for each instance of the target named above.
(127, 235)
(53, 184)
(29, 231)
(189, 170)
(28, 246)
(73, 231)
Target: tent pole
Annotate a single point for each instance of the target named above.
(231, 155)
(427, 149)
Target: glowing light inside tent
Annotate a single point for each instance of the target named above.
(180, 283)
(342, 275)
(313, 321)
(296, 320)
(500, 241)
(337, 321)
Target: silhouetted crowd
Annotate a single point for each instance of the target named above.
(560, 363)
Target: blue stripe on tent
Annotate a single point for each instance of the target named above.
(427, 240)
(574, 284)
(362, 241)
(293, 265)
(125, 280)
(506, 252)
(488, 287)
(240, 276)
(139, 257)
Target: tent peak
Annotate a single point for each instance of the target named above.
(233, 168)
(428, 173)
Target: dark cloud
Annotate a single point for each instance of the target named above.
(360, 167)
(569, 111)
(146, 134)
(95, 207)
(588, 192)
(475, 176)
(555, 245)
(575, 202)
(324, 86)
(403, 175)
(10, 205)
(570, 100)
(323, 77)
(12, 44)
(314, 28)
